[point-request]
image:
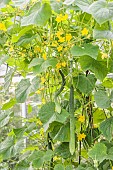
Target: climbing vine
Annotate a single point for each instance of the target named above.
(63, 52)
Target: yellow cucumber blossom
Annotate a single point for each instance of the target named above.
(63, 64)
(104, 55)
(44, 56)
(81, 118)
(61, 18)
(68, 37)
(2, 27)
(84, 32)
(59, 48)
(58, 65)
(61, 39)
(81, 136)
(43, 80)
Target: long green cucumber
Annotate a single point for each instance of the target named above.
(72, 121)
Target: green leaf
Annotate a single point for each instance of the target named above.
(36, 61)
(69, 167)
(3, 59)
(48, 155)
(102, 100)
(106, 128)
(8, 78)
(16, 37)
(9, 104)
(48, 115)
(3, 3)
(83, 5)
(108, 83)
(68, 2)
(63, 150)
(4, 118)
(22, 90)
(102, 11)
(56, 6)
(20, 3)
(98, 152)
(98, 116)
(85, 84)
(59, 167)
(37, 15)
(26, 39)
(87, 49)
(98, 67)
(111, 96)
(64, 133)
(102, 31)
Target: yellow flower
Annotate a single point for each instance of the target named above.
(11, 49)
(65, 17)
(81, 136)
(38, 91)
(2, 27)
(44, 56)
(56, 158)
(61, 39)
(43, 101)
(43, 80)
(42, 131)
(62, 18)
(58, 0)
(68, 37)
(104, 55)
(84, 32)
(59, 18)
(59, 33)
(59, 48)
(63, 64)
(37, 49)
(112, 167)
(54, 44)
(39, 122)
(58, 65)
(81, 118)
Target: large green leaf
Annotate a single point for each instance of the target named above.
(102, 31)
(98, 116)
(102, 11)
(56, 6)
(87, 49)
(3, 3)
(8, 78)
(3, 58)
(64, 133)
(39, 157)
(4, 118)
(40, 65)
(9, 104)
(106, 128)
(98, 152)
(102, 100)
(85, 84)
(16, 37)
(59, 167)
(38, 15)
(98, 67)
(20, 3)
(83, 4)
(68, 2)
(48, 115)
(22, 90)
(63, 150)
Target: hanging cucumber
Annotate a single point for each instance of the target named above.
(72, 121)
(58, 107)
